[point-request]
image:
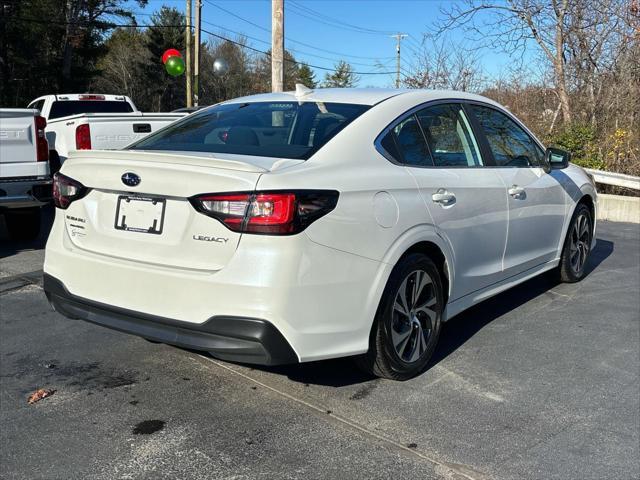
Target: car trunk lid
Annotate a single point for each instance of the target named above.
(153, 222)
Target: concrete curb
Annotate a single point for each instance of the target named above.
(618, 208)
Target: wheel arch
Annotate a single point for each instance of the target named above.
(588, 200)
(585, 196)
(434, 252)
(421, 239)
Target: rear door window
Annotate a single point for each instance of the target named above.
(449, 136)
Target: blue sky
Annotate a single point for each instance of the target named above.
(367, 47)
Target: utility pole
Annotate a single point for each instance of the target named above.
(188, 52)
(277, 45)
(398, 37)
(196, 60)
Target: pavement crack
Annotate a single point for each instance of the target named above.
(454, 471)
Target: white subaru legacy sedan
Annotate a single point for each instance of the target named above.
(307, 225)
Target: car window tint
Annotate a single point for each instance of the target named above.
(388, 142)
(411, 143)
(270, 129)
(449, 136)
(510, 144)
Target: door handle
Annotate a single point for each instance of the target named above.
(517, 192)
(443, 197)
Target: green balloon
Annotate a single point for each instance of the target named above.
(175, 66)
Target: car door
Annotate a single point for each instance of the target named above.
(466, 201)
(537, 203)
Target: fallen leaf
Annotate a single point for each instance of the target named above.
(39, 395)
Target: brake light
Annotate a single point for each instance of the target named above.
(274, 213)
(66, 190)
(83, 137)
(42, 146)
(90, 97)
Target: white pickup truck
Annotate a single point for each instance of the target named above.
(95, 121)
(25, 178)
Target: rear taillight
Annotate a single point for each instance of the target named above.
(66, 190)
(83, 137)
(274, 213)
(42, 146)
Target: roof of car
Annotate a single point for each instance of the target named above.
(362, 96)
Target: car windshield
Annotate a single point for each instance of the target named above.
(271, 129)
(74, 107)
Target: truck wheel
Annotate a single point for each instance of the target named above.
(24, 223)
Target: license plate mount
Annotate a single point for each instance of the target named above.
(140, 214)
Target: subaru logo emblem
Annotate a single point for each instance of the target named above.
(130, 179)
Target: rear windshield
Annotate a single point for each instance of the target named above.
(282, 129)
(75, 107)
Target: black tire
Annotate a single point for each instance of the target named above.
(388, 356)
(23, 224)
(577, 246)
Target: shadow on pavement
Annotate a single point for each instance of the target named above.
(464, 326)
(10, 247)
(455, 333)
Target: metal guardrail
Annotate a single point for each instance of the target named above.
(616, 179)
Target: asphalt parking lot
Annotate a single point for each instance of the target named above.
(541, 382)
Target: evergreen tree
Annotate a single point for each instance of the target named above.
(51, 46)
(163, 92)
(341, 77)
(262, 72)
(306, 76)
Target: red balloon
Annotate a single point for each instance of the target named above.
(172, 52)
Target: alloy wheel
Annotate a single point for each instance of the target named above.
(414, 316)
(580, 242)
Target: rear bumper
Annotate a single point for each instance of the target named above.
(24, 192)
(237, 339)
(321, 300)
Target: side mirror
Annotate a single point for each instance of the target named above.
(556, 158)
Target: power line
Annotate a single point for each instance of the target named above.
(314, 15)
(289, 60)
(238, 17)
(288, 39)
(255, 39)
(111, 25)
(302, 52)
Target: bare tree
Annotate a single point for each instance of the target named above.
(579, 39)
(441, 64)
(120, 68)
(513, 25)
(595, 44)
